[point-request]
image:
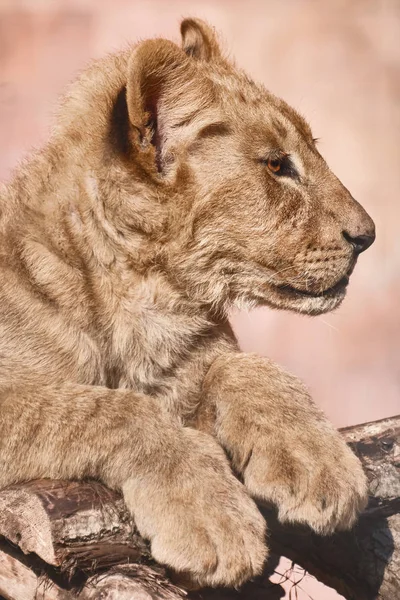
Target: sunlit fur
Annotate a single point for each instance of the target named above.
(124, 243)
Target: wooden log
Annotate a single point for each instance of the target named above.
(71, 525)
(19, 582)
(81, 536)
(130, 582)
(362, 564)
(125, 582)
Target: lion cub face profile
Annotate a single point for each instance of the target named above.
(261, 217)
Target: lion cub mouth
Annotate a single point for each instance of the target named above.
(335, 290)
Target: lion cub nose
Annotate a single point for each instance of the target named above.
(360, 243)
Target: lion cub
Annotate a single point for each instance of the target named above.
(173, 187)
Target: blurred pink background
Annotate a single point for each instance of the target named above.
(338, 63)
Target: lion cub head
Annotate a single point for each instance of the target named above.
(253, 212)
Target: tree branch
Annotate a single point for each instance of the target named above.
(364, 563)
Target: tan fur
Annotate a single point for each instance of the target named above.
(124, 242)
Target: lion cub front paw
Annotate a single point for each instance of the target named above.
(199, 518)
(313, 478)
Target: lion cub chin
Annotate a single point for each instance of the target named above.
(172, 188)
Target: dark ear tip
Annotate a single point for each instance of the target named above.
(193, 23)
(185, 25)
(199, 40)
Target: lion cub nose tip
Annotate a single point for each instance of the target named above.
(360, 243)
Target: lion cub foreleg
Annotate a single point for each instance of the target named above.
(282, 445)
(176, 481)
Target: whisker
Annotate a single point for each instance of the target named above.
(330, 325)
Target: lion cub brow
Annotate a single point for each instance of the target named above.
(214, 130)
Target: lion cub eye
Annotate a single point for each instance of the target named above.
(274, 164)
(279, 163)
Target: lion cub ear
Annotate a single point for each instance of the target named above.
(199, 40)
(159, 79)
